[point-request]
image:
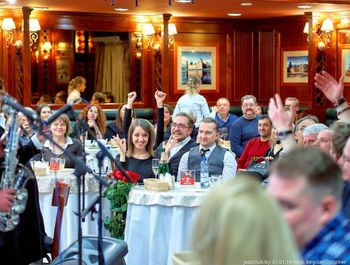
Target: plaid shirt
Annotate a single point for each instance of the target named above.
(331, 245)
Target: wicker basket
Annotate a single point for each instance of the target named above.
(156, 184)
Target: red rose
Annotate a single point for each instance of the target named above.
(118, 175)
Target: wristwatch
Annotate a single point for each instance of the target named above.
(283, 134)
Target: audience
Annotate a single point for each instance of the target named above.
(115, 128)
(193, 100)
(59, 129)
(109, 97)
(257, 147)
(43, 111)
(95, 118)
(300, 125)
(292, 103)
(60, 97)
(220, 161)
(238, 223)
(310, 133)
(324, 140)
(76, 86)
(137, 155)
(179, 141)
(245, 127)
(221, 113)
(45, 99)
(98, 98)
(308, 185)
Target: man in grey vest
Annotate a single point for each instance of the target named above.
(221, 161)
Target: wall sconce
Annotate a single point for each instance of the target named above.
(325, 34)
(9, 28)
(153, 37)
(46, 48)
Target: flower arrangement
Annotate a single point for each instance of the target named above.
(118, 194)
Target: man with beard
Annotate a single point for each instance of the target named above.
(245, 127)
(179, 142)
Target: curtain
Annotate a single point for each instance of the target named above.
(112, 68)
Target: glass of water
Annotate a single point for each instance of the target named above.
(214, 180)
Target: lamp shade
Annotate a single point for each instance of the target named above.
(327, 25)
(34, 24)
(306, 28)
(8, 24)
(172, 29)
(148, 29)
(47, 46)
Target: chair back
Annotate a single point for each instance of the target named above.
(59, 199)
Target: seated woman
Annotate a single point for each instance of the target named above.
(59, 129)
(141, 140)
(95, 119)
(44, 111)
(116, 127)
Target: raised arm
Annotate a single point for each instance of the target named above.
(128, 111)
(283, 122)
(159, 97)
(334, 91)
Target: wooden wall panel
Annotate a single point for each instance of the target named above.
(266, 74)
(243, 65)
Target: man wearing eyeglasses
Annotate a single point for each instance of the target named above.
(221, 161)
(245, 127)
(179, 142)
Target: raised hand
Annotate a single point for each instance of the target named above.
(170, 144)
(6, 199)
(121, 143)
(159, 97)
(332, 89)
(280, 118)
(214, 109)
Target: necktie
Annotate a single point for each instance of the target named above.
(204, 151)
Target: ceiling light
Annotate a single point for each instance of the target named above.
(11, 1)
(41, 8)
(2, 3)
(183, 1)
(246, 4)
(120, 9)
(234, 14)
(304, 7)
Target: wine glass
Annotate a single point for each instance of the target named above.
(155, 164)
(223, 133)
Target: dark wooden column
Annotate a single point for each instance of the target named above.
(26, 59)
(165, 55)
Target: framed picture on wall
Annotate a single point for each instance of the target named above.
(345, 64)
(63, 75)
(295, 66)
(197, 61)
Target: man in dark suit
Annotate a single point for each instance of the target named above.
(179, 142)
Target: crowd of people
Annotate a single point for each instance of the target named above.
(302, 200)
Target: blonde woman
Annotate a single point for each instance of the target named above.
(76, 86)
(193, 100)
(238, 223)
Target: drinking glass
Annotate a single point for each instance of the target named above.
(155, 164)
(223, 133)
(214, 180)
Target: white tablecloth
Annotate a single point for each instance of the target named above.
(160, 223)
(69, 230)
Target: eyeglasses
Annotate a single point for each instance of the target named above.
(248, 105)
(178, 125)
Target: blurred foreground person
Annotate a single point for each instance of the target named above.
(308, 184)
(230, 216)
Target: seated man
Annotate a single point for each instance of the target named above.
(257, 147)
(246, 127)
(308, 185)
(324, 140)
(292, 103)
(221, 161)
(179, 142)
(221, 113)
(311, 132)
